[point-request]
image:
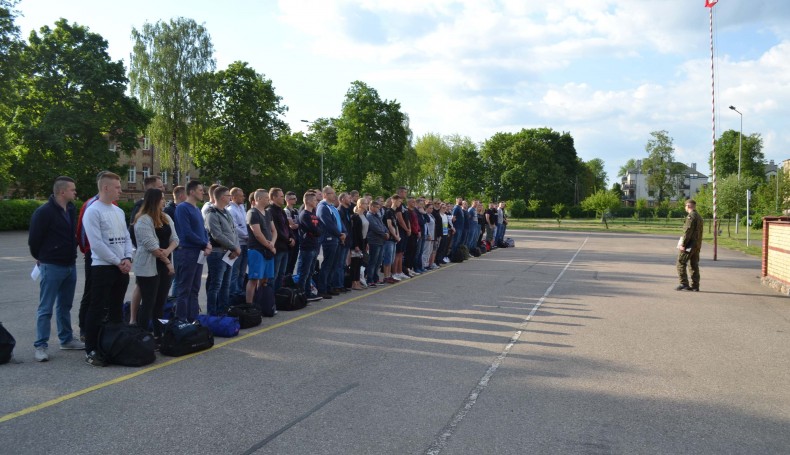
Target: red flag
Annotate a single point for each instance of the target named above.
(710, 3)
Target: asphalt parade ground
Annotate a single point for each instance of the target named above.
(570, 343)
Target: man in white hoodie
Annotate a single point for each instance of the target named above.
(111, 262)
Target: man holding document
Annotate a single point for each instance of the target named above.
(225, 250)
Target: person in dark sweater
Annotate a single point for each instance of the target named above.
(53, 243)
(309, 243)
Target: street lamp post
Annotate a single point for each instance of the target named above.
(740, 148)
(322, 159)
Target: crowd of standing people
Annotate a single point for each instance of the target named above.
(333, 243)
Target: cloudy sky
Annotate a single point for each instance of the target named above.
(607, 71)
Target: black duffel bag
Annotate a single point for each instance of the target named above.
(289, 299)
(182, 338)
(126, 345)
(249, 315)
(7, 343)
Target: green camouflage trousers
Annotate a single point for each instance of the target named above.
(684, 260)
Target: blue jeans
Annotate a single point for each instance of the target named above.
(305, 266)
(280, 266)
(237, 286)
(56, 290)
(388, 254)
(418, 265)
(218, 285)
(500, 233)
(188, 275)
(375, 255)
(458, 238)
(340, 267)
(327, 266)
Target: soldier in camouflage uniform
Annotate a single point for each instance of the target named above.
(689, 247)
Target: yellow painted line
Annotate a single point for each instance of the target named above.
(175, 360)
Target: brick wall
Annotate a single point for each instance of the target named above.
(776, 253)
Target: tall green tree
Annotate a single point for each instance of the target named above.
(372, 136)
(170, 67)
(73, 101)
(464, 173)
(242, 141)
(11, 47)
(752, 157)
(492, 155)
(629, 165)
(731, 195)
(303, 169)
(660, 166)
(433, 156)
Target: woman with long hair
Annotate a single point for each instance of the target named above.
(153, 265)
(359, 242)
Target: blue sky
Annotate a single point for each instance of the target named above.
(607, 71)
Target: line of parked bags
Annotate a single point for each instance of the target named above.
(123, 344)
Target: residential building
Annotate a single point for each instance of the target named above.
(143, 162)
(634, 184)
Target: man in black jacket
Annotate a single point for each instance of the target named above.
(53, 243)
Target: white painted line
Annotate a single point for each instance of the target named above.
(447, 432)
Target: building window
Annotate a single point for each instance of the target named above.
(146, 172)
(163, 176)
(132, 174)
(146, 143)
(187, 178)
(113, 147)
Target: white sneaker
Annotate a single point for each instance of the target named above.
(41, 354)
(446, 260)
(395, 277)
(402, 276)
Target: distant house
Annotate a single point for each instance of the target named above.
(634, 184)
(142, 163)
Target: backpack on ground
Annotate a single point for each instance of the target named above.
(289, 299)
(465, 251)
(249, 315)
(122, 344)
(510, 242)
(457, 256)
(264, 300)
(220, 326)
(475, 252)
(7, 343)
(182, 338)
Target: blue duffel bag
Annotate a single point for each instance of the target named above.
(220, 326)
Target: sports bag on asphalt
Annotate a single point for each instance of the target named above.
(126, 345)
(220, 326)
(182, 338)
(264, 300)
(249, 315)
(288, 299)
(7, 343)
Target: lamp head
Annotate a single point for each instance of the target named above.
(731, 107)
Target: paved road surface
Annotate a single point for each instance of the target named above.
(571, 343)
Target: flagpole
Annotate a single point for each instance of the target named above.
(710, 4)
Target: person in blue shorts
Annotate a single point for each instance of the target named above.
(260, 244)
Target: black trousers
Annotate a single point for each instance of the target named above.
(86, 292)
(108, 288)
(153, 291)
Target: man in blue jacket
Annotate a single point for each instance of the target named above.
(333, 236)
(53, 243)
(191, 254)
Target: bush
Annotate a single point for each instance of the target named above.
(518, 208)
(15, 214)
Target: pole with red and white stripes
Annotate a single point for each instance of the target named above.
(709, 4)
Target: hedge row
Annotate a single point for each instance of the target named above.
(15, 214)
